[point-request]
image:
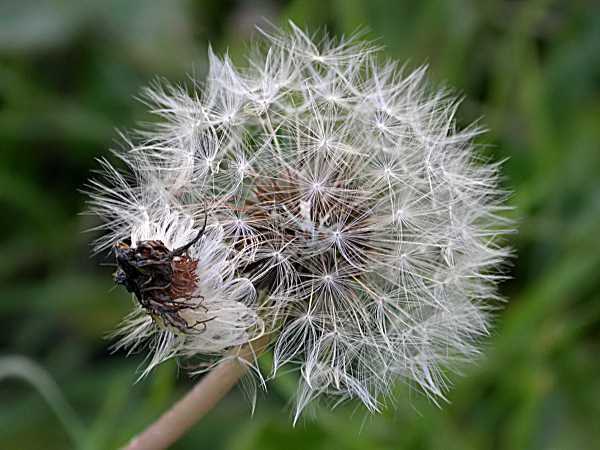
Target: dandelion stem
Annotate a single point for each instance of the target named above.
(175, 422)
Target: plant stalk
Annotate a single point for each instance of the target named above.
(175, 422)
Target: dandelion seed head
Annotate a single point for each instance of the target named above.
(348, 217)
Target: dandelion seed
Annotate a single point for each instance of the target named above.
(347, 218)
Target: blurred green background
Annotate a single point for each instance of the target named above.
(69, 71)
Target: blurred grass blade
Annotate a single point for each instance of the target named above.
(27, 370)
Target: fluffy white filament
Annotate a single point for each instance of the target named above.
(336, 186)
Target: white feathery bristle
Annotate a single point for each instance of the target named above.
(338, 187)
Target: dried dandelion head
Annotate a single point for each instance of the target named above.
(347, 218)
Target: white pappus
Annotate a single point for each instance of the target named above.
(348, 218)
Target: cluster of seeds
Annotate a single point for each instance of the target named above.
(348, 218)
